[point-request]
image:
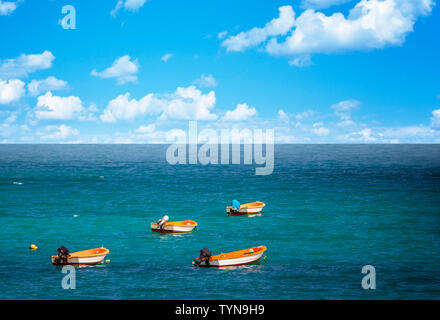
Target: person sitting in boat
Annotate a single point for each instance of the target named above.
(162, 221)
(235, 206)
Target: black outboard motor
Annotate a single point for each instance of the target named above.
(63, 254)
(205, 254)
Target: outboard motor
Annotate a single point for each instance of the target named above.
(63, 254)
(162, 221)
(205, 254)
(235, 206)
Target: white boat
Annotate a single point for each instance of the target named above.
(235, 258)
(247, 208)
(174, 226)
(85, 257)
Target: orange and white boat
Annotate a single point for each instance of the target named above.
(235, 258)
(247, 208)
(85, 257)
(174, 226)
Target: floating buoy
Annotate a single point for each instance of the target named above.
(33, 247)
(75, 216)
(107, 261)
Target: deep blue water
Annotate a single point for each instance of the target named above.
(331, 209)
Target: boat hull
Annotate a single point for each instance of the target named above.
(232, 262)
(86, 257)
(244, 211)
(234, 259)
(247, 208)
(82, 260)
(174, 227)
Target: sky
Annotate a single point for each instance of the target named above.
(136, 71)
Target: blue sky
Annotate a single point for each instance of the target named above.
(315, 71)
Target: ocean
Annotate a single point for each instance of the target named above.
(330, 210)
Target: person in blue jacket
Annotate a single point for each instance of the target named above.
(235, 206)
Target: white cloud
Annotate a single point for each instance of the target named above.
(123, 69)
(10, 119)
(304, 115)
(346, 123)
(124, 108)
(36, 87)
(318, 124)
(205, 81)
(11, 90)
(60, 132)
(364, 135)
(25, 64)
(10, 128)
(190, 104)
(321, 4)
(343, 109)
(7, 7)
(60, 108)
(129, 5)
(146, 129)
(371, 24)
(321, 131)
(166, 57)
(222, 35)
(282, 116)
(435, 120)
(240, 113)
(301, 61)
(255, 36)
(184, 104)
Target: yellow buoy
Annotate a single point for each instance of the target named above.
(33, 247)
(107, 261)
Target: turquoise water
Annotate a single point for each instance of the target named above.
(331, 209)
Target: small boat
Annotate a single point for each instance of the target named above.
(235, 258)
(174, 226)
(247, 208)
(85, 257)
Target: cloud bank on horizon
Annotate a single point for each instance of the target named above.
(37, 109)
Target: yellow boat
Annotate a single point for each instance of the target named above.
(174, 226)
(247, 208)
(235, 258)
(85, 257)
